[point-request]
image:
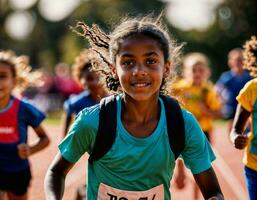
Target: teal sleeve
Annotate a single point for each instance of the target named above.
(197, 154)
(81, 136)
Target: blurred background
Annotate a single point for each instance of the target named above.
(40, 28)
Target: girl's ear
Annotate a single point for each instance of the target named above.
(114, 71)
(167, 68)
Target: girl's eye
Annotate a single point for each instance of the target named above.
(128, 63)
(3, 76)
(151, 61)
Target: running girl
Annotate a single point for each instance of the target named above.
(15, 117)
(198, 96)
(197, 92)
(89, 81)
(247, 106)
(140, 163)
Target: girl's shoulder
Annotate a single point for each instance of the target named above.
(252, 84)
(187, 115)
(89, 116)
(78, 97)
(180, 84)
(249, 88)
(26, 103)
(190, 122)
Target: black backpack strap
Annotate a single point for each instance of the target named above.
(106, 133)
(175, 125)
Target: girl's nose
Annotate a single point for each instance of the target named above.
(139, 70)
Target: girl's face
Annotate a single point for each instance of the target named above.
(235, 62)
(199, 73)
(90, 80)
(140, 67)
(7, 81)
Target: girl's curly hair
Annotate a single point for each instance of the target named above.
(84, 62)
(20, 69)
(250, 56)
(107, 45)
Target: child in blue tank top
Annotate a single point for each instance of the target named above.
(89, 80)
(16, 116)
(140, 163)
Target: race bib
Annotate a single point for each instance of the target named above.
(106, 192)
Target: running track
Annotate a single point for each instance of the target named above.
(228, 168)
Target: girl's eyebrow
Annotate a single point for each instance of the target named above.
(152, 53)
(127, 55)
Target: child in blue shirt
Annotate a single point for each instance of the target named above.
(89, 80)
(16, 116)
(230, 83)
(140, 163)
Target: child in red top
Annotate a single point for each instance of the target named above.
(15, 117)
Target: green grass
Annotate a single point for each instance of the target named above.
(54, 118)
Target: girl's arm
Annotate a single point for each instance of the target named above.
(236, 136)
(66, 123)
(208, 184)
(24, 150)
(55, 178)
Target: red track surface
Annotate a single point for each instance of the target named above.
(228, 167)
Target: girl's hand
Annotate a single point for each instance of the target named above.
(239, 141)
(23, 151)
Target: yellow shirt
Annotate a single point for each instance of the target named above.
(248, 99)
(191, 96)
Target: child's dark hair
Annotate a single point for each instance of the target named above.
(19, 66)
(107, 46)
(84, 62)
(250, 56)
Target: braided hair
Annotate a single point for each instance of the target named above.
(250, 56)
(107, 45)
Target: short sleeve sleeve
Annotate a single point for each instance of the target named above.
(34, 117)
(81, 136)
(197, 154)
(247, 96)
(68, 107)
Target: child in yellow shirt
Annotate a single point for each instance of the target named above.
(197, 94)
(196, 91)
(247, 107)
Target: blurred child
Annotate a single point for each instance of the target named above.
(230, 83)
(16, 116)
(197, 95)
(64, 83)
(196, 91)
(88, 79)
(139, 163)
(247, 108)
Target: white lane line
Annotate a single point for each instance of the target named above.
(229, 176)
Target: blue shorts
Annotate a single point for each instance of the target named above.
(15, 182)
(251, 182)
